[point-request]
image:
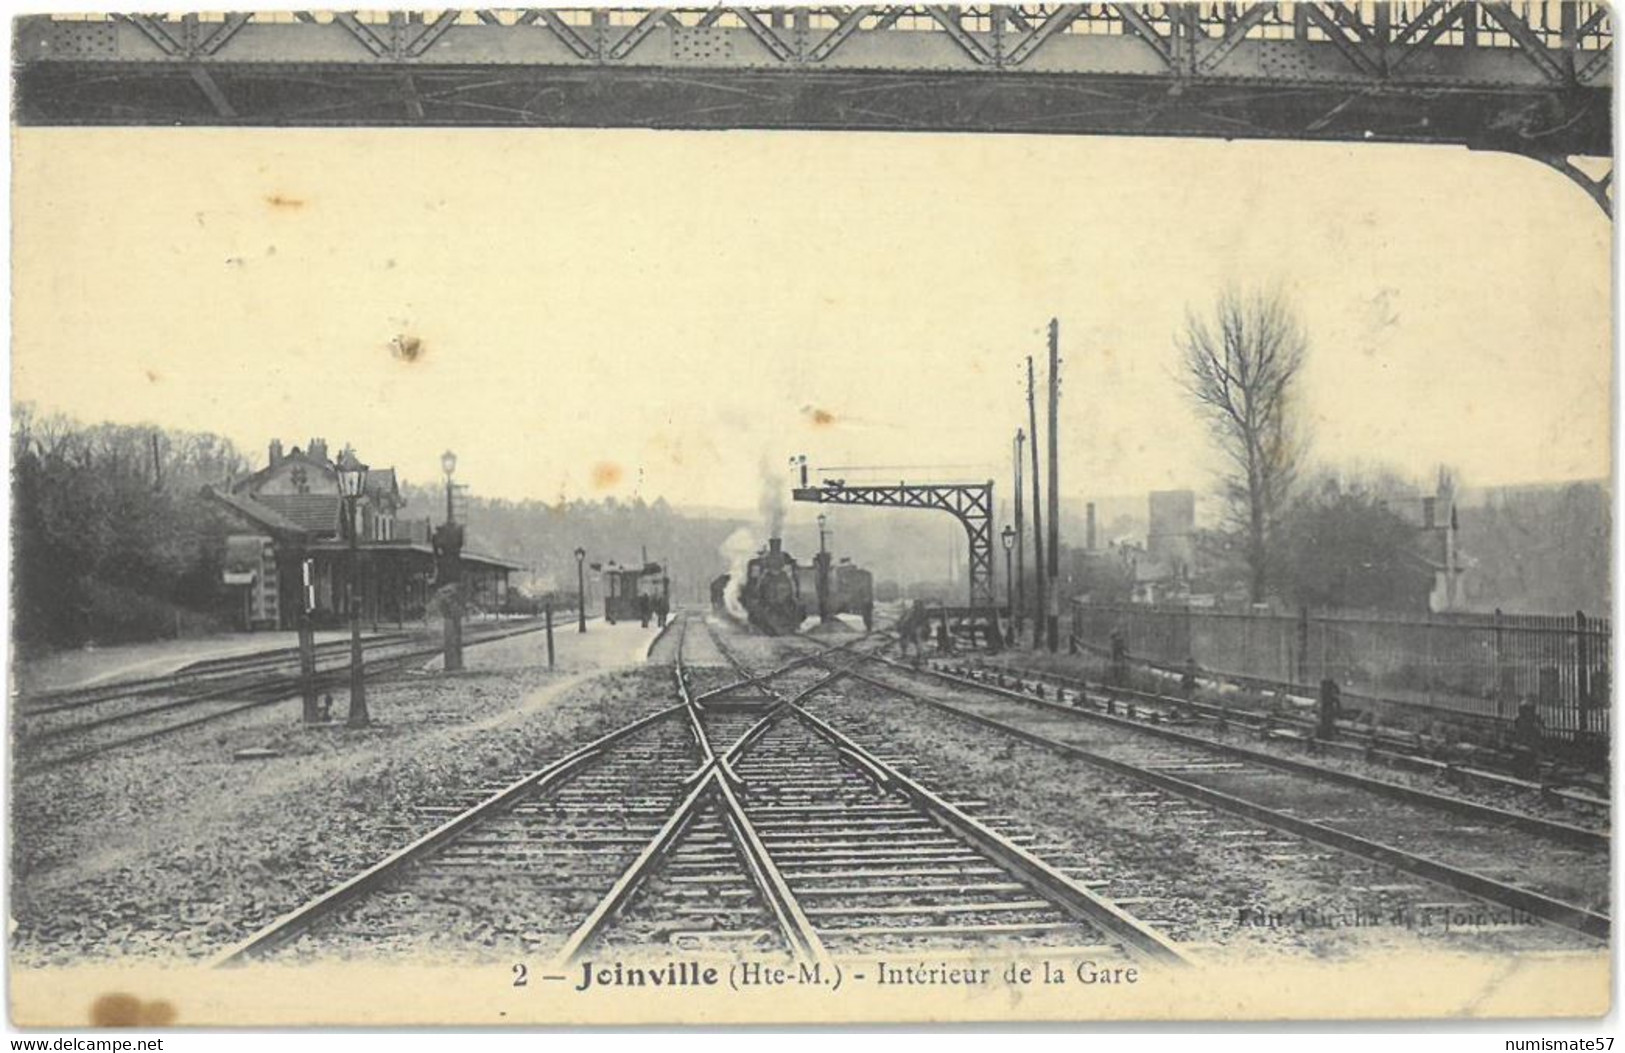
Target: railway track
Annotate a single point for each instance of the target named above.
(68, 731)
(199, 675)
(1380, 824)
(1162, 720)
(1404, 751)
(522, 862)
(863, 857)
(734, 821)
(525, 853)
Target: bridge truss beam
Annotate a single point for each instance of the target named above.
(970, 503)
(1532, 78)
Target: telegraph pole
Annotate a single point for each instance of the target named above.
(1021, 540)
(823, 573)
(1051, 593)
(1038, 514)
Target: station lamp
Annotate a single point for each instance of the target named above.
(352, 474)
(448, 465)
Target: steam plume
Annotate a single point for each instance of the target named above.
(770, 505)
(737, 549)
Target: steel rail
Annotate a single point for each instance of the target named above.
(779, 709)
(1072, 897)
(1139, 938)
(760, 679)
(205, 671)
(661, 635)
(65, 699)
(297, 921)
(1535, 904)
(695, 726)
(1393, 749)
(620, 894)
(282, 688)
(712, 777)
(805, 943)
(1566, 832)
(803, 940)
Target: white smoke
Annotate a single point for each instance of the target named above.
(770, 504)
(737, 549)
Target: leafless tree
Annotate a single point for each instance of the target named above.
(1241, 368)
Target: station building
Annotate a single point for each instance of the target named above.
(291, 513)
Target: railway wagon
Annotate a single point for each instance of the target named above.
(631, 593)
(851, 590)
(854, 592)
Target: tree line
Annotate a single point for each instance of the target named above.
(111, 541)
(543, 536)
(1328, 535)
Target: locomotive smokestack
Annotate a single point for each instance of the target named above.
(775, 545)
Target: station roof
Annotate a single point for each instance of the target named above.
(255, 512)
(314, 513)
(418, 547)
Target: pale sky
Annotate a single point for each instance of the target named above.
(604, 311)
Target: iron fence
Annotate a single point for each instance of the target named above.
(1478, 664)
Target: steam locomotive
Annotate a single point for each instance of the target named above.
(778, 593)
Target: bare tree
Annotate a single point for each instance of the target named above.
(1241, 369)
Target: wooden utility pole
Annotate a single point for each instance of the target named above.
(1053, 589)
(1021, 540)
(1038, 514)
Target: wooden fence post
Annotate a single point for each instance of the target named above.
(1582, 673)
(1303, 645)
(548, 611)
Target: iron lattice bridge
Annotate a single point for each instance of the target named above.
(970, 503)
(1528, 78)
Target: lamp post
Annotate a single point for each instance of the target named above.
(1008, 536)
(448, 464)
(449, 547)
(352, 479)
(581, 591)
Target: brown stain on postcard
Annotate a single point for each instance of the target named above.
(283, 201)
(606, 474)
(121, 1009)
(406, 348)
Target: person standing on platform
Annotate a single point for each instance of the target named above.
(1528, 741)
(1331, 708)
(1119, 667)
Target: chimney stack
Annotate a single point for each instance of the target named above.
(1089, 527)
(317, 449)
(1429, 512)
(275, 456)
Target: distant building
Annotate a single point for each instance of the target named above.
(1161, 570)
(1172, 530)
(295, 514)
(1436, 551)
